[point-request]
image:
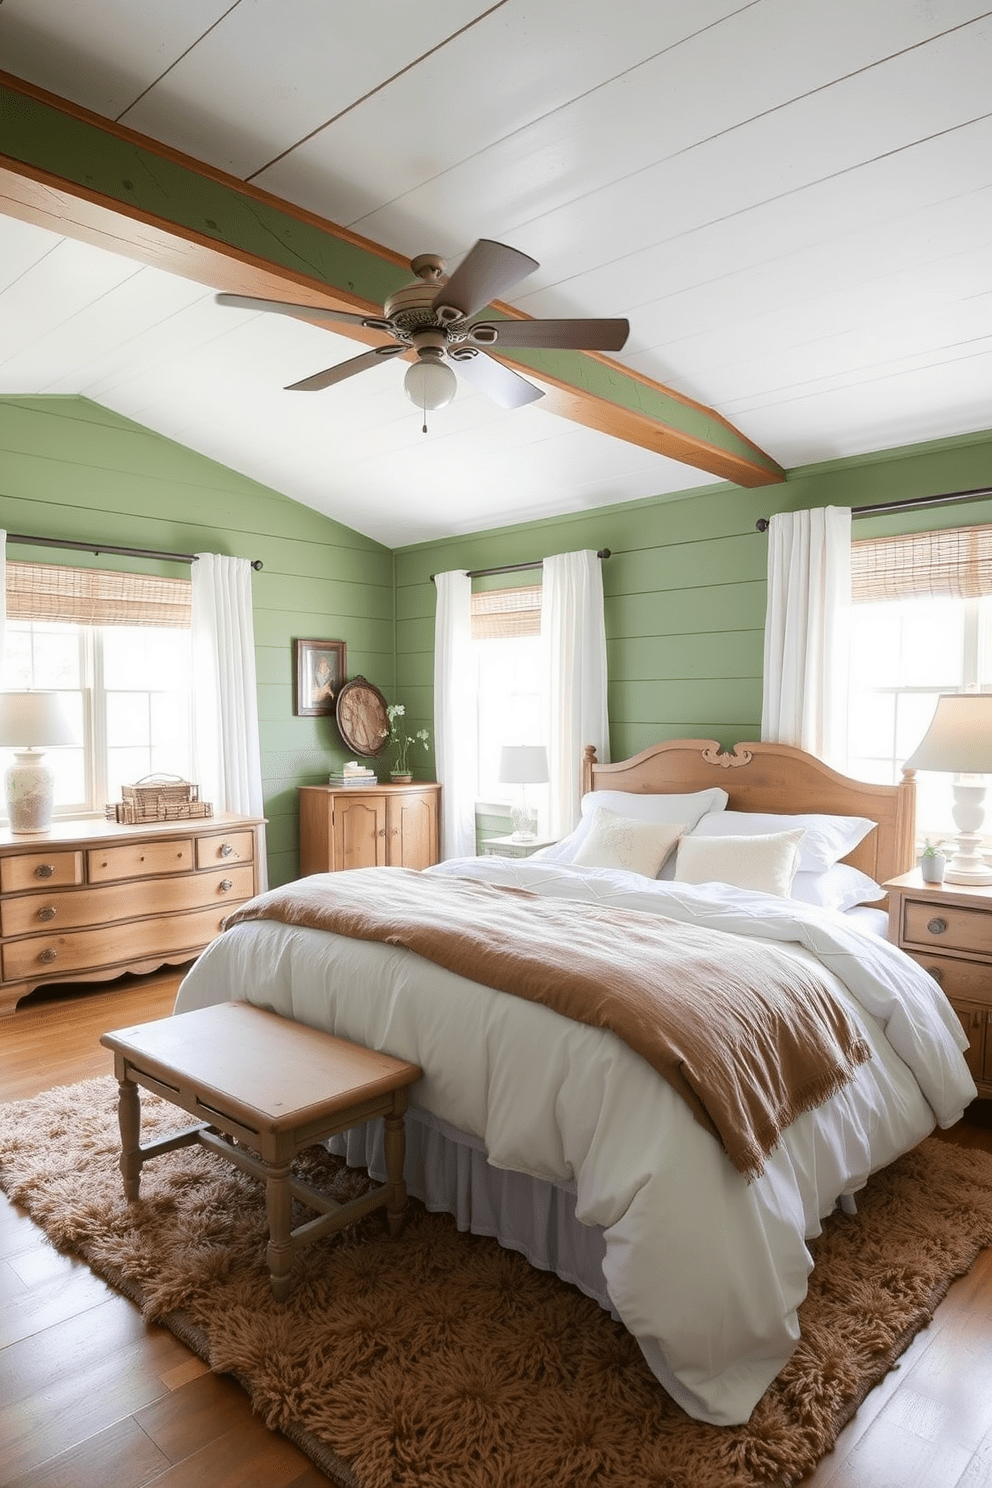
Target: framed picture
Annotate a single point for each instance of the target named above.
(320, 671)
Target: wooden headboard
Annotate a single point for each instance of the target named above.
(772, 777)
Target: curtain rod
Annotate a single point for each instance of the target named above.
(483, 573)
(948, 498)
(83, 547)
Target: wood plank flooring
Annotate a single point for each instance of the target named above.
(92, 1396)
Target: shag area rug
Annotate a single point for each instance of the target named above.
(443, 1359)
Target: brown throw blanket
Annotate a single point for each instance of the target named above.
(749, 1038)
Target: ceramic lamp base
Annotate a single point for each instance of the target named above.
(30, 788)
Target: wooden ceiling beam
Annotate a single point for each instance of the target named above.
(83, 176)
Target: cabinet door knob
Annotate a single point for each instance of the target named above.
(226, 849)
(44, 870)
(48, 913)
(936, 926)
(226, 884)
(48, 954)
(382, 831)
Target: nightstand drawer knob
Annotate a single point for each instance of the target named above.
(48, 954)
(226, 884)
(48, 913)
(936, 926)
(937, 974)
(44, 870)
(226, 849)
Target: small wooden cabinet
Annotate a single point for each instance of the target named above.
(947, 928)
(88, 900)
(377, 826)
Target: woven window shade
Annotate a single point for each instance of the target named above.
(499, 613)
(96, 596)
(955, 563)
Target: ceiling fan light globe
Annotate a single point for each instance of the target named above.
(430, 384)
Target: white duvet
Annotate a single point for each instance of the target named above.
(706, 1270)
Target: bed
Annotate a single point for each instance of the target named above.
(555, 1137)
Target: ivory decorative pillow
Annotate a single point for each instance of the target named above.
(620, 842)
(767, 863)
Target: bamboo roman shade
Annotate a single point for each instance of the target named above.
(955, 563)
(500, 613)
(95, 596)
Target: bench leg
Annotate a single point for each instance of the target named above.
(394, 1145)
(129, 1119)
(279, 1254)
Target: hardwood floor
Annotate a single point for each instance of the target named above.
(91, 1396)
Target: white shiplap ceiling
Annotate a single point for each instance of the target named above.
(791, 200)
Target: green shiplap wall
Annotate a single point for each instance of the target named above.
(72, 469)
(685, 585)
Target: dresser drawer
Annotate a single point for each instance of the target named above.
(947, 927)
(971, 980)
(83, 950)
(31, 914)
(139, 860)
(29, 870)
(230, 847)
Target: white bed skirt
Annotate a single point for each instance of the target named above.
(447, 1169)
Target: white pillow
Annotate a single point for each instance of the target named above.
(766, 863)
(840, 887)
(618, 842)
(686, 810)
(827, 838)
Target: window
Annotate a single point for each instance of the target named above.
(116, 647)
(506, 629)
(921, 625)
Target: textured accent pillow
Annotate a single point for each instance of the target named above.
(827, 839)
(766, 863)
(840, 887)
(685, 809)
(619, 842)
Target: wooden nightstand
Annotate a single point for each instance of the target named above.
(508, 847)
(947, 928)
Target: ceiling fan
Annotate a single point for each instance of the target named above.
(433, 317)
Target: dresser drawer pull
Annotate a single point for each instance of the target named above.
(937, 974)
(48, 913)
(226, 884)
(48, 954)
(936, 926)
(44, 870)
(226, 849)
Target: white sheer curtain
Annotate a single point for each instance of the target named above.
(226, 755)
(573, 634)
(456, 745)
(3, 594)
(807, 628)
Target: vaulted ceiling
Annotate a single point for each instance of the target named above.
(790, 200)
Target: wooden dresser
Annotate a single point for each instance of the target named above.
(378, 826)
(88, 900)
(947, 928)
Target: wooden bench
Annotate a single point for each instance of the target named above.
(276, 1087)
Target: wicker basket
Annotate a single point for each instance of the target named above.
(156, 798)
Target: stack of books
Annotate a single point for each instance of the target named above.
(353, 774)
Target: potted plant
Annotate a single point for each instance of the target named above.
(932, 862)
(400, 773)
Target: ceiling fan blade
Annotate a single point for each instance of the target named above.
(498, 382)
(485, 274)
(298, 312)
(579, 335)
(343, 370)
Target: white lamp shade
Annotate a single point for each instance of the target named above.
(959, 739)
(34, 720)
(430, 384)
(523, 764)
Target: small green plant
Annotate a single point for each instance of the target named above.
(402, 739)
(931, 849)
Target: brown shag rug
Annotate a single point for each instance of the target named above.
(442, 1358)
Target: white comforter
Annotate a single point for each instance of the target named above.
(705, 1270)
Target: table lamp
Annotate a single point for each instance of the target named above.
(959, 741)
(523, 765)
(31, 722)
